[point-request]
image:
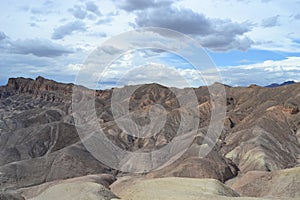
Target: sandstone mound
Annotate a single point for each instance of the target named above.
(34, 191)
(76, 191)
(173, 188)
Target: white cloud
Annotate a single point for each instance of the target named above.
(78, 12)
(264, 73)
(280, 37)
(271, 21)
(67, 29)
(290, 63)
(74, 68)
(34, 46)
(215, 34)
(92, 7)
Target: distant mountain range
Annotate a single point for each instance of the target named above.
(273, 85)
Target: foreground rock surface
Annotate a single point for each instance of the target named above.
(177, 189)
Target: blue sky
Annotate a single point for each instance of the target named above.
(250, 42)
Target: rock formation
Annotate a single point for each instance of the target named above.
(39, 143)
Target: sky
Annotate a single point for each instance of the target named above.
(249, 42)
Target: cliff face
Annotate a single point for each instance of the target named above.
(39, 142)
(42, 88)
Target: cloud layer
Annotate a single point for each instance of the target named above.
(271, 21)
(68, 29)
(264, 73)
(134, 5)
(216, 34)
(37, 46)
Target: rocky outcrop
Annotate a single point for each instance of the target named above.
(40, 88)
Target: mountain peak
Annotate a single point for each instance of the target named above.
(273, 85)
(40, 78)
(38, 87)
